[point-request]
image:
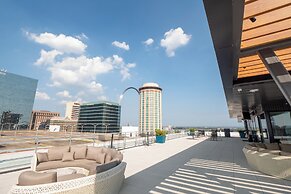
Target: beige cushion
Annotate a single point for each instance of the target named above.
(42, 157)
(34, 178)
(272, 146)
(92, 153)
(90, 165)
(285, 147)
(70, 177)
(56, 153)
(106, 166)
(80, 152)
(100, 158)
(108, 158)
(119, 156)
(68, 156)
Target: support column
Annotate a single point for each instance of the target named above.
(278, 72)
(246, 128)
(260, 129)
(269, 127)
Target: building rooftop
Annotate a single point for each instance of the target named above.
(150, 85)
(101, 102)
(185, 165)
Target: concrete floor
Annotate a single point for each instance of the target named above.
(188, 166)
(202, 167)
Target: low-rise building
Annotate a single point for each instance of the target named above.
(130, 131)
(57, 124)
(40, 119)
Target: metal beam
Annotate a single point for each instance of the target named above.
(278, 72)
(274, 45)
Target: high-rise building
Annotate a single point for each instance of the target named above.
(72, 110)
(150, 111)
(16, 100)
(101, 117)
(40, 119)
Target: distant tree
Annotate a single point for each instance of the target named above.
(192, 132)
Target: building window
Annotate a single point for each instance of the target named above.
(281, 123)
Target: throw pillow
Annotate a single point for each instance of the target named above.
(42, 157)
(68, 156)
(80, 152)
(92, 152)
(100, 158)
(106, 166)
(108, 158)
(56, 153)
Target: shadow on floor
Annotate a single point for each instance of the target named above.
(207, 167)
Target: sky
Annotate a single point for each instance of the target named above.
(93, 50)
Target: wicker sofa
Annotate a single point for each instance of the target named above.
(76, 169)
(272, 159)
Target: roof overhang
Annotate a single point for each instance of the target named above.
(239, 29)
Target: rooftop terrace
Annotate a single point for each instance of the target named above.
(185, 165)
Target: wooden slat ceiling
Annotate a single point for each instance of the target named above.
(272, 23)
(253, 66)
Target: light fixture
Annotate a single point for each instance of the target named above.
(239, 90)
(254, 90)
(253, 19)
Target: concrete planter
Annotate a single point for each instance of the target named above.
(160, 139)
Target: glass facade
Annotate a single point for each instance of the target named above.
(103, 116)
(16, 100)
(281, 123)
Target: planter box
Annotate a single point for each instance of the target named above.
(242, 134)
(160, 139)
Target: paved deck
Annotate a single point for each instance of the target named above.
(204, 167)
(188, 166)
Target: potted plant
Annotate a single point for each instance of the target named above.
(242, 133)
(192, 132)
(160, 136)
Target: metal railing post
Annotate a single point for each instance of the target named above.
(111, 145)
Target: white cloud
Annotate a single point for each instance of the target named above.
(102, 98)
(82, 36)
(72, 69)
(124, 70)
(82, 71)
(122, 45)
(149, 41)
(61, 42)
(95, 87)
(47, 57)
(41, 96)
(174, 39)
(131, 65)
(65, 94)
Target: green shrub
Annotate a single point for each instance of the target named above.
(192, 130)
(160, 132)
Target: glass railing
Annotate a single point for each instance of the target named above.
(17, 147)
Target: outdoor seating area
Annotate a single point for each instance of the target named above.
(270, 158)
(70, 169)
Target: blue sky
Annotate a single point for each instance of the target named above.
(93, 50)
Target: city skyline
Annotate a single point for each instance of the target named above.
(93, 56)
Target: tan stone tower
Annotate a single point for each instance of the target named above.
(150, 108)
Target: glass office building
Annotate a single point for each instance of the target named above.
(101, 117)
(16, 100)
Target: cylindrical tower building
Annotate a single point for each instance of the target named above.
(150, 108)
